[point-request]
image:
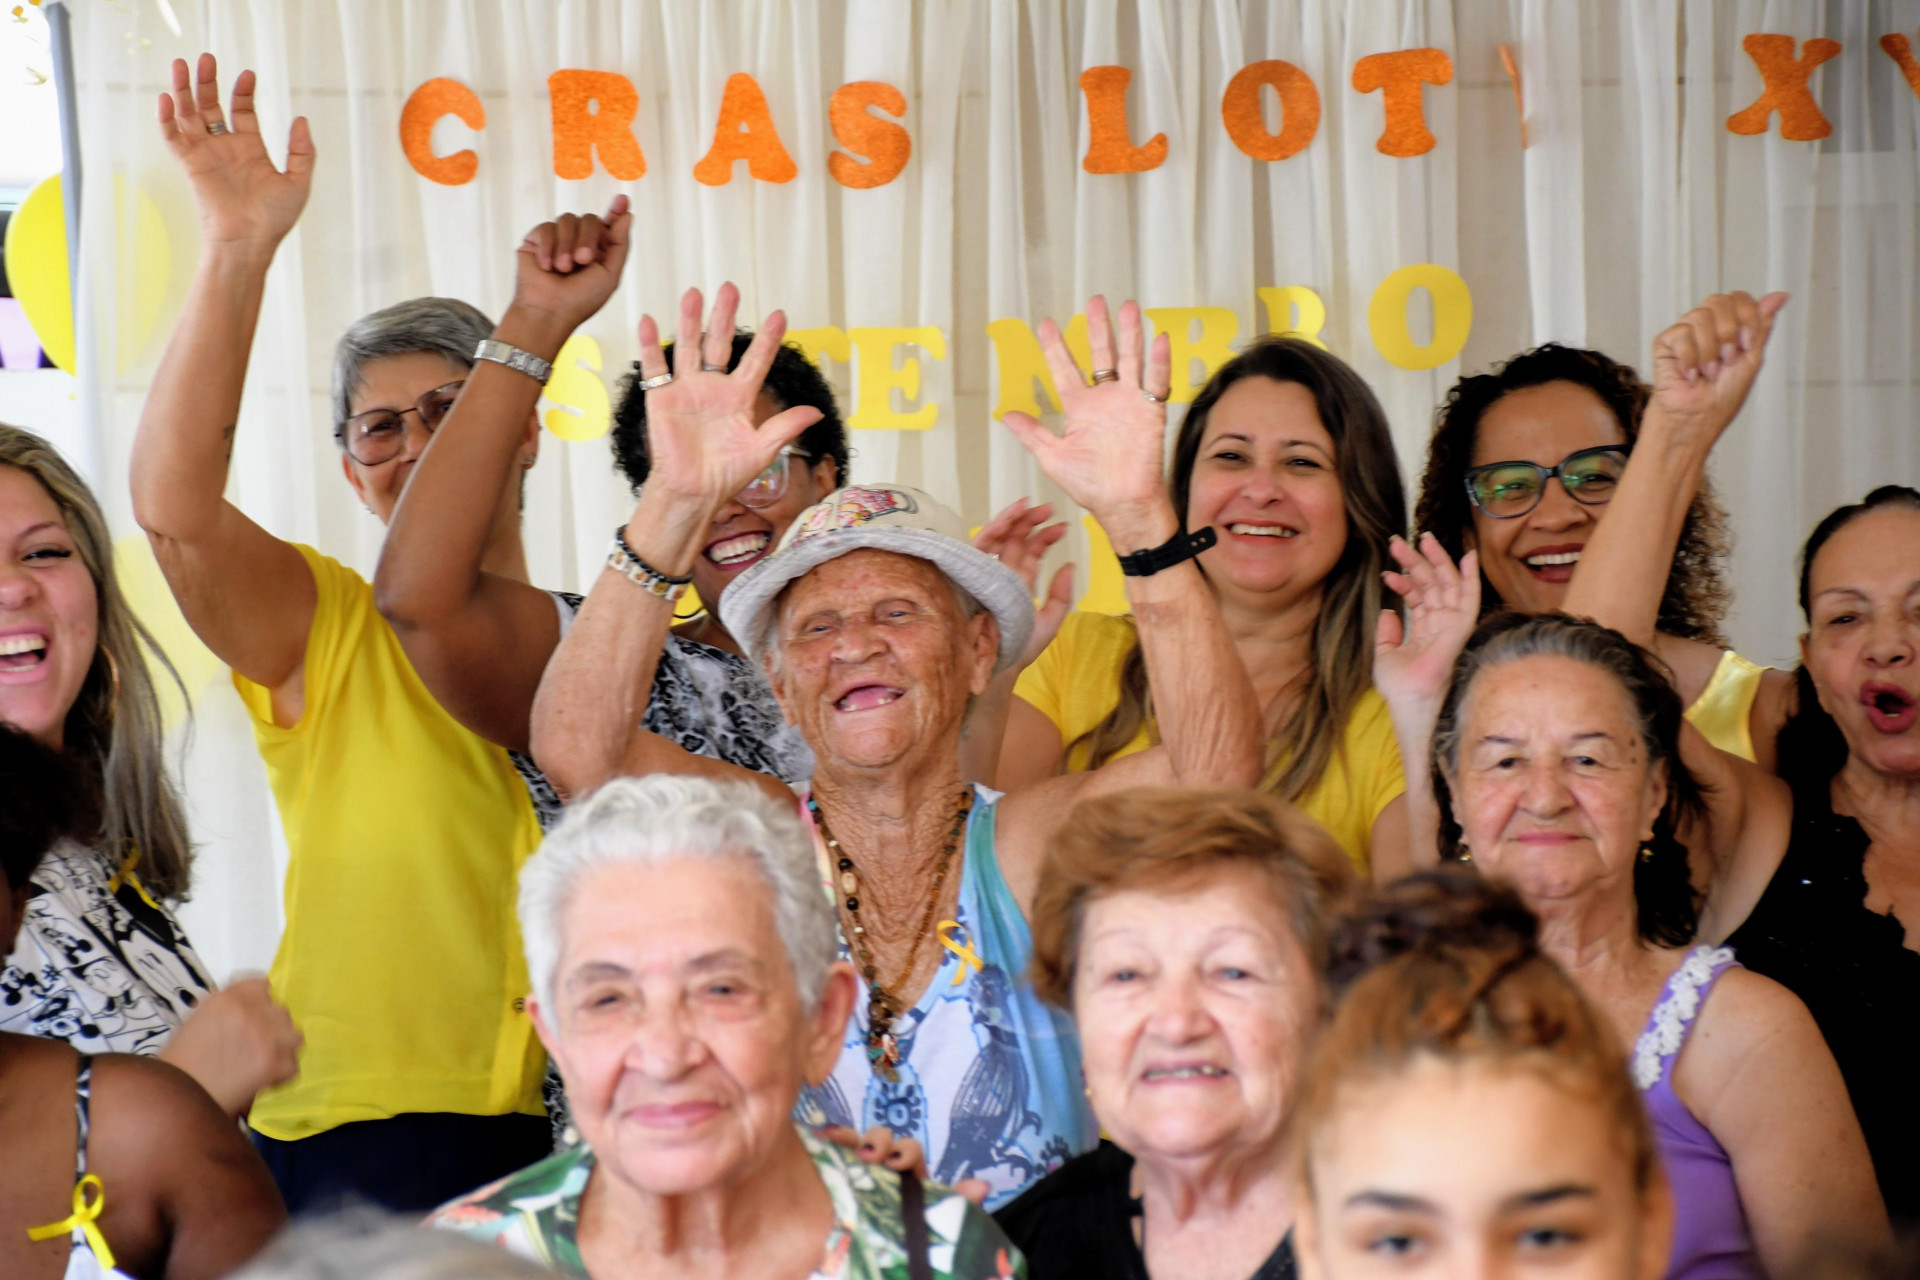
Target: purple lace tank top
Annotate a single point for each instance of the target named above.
(1710, 1236)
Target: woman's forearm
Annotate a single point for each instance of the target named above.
(600, 679)
(1208, 716)
(185, 438)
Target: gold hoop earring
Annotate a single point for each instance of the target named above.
(1462, 852)
(1646, 853)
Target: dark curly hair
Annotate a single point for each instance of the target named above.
(1696, 597)
(792, 380)
(1668, 907)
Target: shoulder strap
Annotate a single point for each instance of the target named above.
(913, 1220)
(83, 1113)
(1674, 1012)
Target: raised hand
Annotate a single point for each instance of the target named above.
(700, 426)
(1020, 537)
(1704, 365)
(569, 267)
(1413, 661)
(1109, 453)
(243, 200)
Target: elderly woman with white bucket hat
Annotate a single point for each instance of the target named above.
(877, 625)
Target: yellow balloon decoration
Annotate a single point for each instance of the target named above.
(152, 602)
(581, 410)
(36, 255)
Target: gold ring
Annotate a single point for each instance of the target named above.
(1105, 375)
(1154, 398)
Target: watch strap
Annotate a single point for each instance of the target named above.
(1181, 546)
(514, 358)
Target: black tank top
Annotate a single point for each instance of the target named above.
(1812, 932)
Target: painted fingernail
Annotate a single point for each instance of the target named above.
(1746, 337)
(1712, 370)
(1693, 375)
(1727, 353)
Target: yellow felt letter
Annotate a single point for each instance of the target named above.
(1296, 310)
(579, 408)
(1452, 316)
(830, 342)
(1211, 346)
(876, 377)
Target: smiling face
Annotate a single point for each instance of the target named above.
(1530, 559)
(1862, 646)
(49, 610)
(741, 536)
(1552, 788)
(677, 1025)
(397, 383)
(1194, 1007)
(1475, 1169)
(1264, 479)
(876, 660)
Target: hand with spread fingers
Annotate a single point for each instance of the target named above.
(1020, 537)
(569, 267)
(700, 418)
(1109, 455)
(1704, 365)
(242, 198)
(1413, 658)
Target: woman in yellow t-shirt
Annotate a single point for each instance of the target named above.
(1499, 440)
(1286, 455)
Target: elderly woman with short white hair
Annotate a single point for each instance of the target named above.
(878, 626)
(687, 984)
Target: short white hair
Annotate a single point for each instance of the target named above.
(667, 817)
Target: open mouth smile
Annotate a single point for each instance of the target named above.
(1247, 530)
(1890, 708)
(1552, 564)
(740, 550)
(21, 652)
(867, 697)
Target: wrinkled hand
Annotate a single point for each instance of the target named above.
(1704, 365)
(881, 1146)
(1413, 661)
(1020, 538)
(1109, 453)
(569, 267)
(700, 427)
(243, 200)
(238, 1041)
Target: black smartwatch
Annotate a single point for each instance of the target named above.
(1181, 546)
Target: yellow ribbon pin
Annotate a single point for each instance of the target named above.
(85, 1215)
(969, 958)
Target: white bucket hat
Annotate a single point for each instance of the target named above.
(883, 518)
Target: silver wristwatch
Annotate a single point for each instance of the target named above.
(514, 358)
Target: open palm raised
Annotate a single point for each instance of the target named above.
(1413, 660)
(242, 198)
(701, 429)
(1109, 453)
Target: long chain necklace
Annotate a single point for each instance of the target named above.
(883, 1004)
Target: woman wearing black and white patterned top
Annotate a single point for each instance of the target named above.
(100, 961)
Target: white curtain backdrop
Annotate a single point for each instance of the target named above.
(1633, 201)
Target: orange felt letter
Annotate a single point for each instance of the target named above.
(885, 144)
(1108, 148)
(1901, 52)
(578, 128)
(425, 105)
(745, 131)
(1299, 110)
(1399, 75)
(1786, 88)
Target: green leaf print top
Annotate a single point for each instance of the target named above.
(536, 1214)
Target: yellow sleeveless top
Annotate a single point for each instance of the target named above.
(1723, 711)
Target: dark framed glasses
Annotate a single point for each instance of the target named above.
(378, 435)
(770, 485)
(1504, 490)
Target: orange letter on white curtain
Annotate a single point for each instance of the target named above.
(1399, 76)
(578, 128)
(1901, 52)
(1299, 110)
(745, 131)
(1786, 88)
(425, 105)
(885, 144)
(1108, 148)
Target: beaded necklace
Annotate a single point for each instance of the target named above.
(883, 1006)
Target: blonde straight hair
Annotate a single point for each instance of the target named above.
(113, 728)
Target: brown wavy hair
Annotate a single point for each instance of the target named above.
(1446, 965)
(113, 731)
(1376, 507)
(1171, 838)
(1696, 597)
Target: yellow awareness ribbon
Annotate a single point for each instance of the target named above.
(969, 958)
(125, 875)
(85, 1216)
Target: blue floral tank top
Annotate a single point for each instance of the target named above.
(989, 1076)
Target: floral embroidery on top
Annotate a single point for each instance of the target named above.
(1667, 1029)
